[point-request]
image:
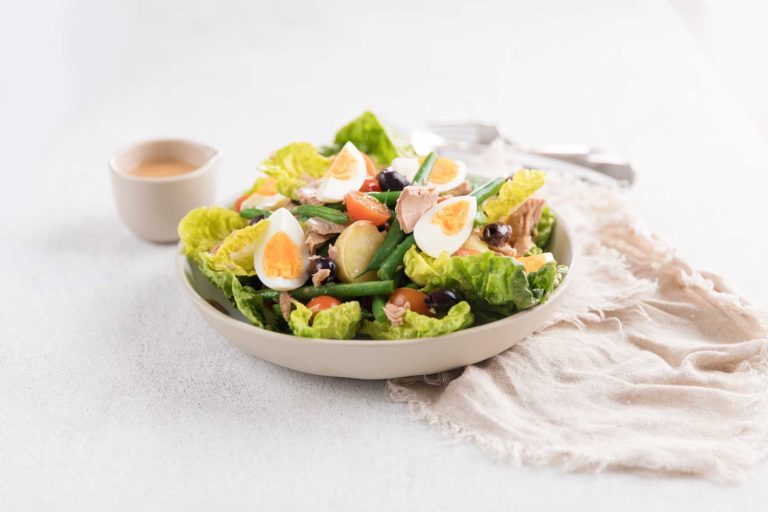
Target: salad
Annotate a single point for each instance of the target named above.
(365, 238)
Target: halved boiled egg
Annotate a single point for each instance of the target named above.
(281, 259)
(346, 174)
(265, 196)
(536, 261)
(446, 174)
(446, 226)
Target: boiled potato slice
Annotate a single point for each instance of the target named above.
(355, 248)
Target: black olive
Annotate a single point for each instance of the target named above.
(252, 281)
(441, 300)
(323, 262)
(256, 220)
(392, 180)
(497, 234)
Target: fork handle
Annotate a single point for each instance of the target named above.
(585, 156)
(575, 152)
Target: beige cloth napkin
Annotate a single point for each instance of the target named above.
(647, 365)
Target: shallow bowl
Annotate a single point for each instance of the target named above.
(374, 359)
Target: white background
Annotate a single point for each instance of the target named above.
(113, 392)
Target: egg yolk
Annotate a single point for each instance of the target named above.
(282, 257)
(266, 187)
(443, 171)
(452, 218)
(533, 263)
(343, 166)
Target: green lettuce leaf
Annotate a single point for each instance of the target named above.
(221, 279)
(543, 281)
(513, 193)
(495, 280)
(293, 166)
(336, 323)
(545, 227)
(421, 326)
(202, 228)
(252, 306)
(533, 251)
(371, 136)
(235, 253)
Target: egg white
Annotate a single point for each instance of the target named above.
(282, 221)
(257, 200)
(430, 237)
(458, 179)
(332, 189)
(406, 166)
(409, 166)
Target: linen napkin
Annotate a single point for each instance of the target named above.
(646, 365)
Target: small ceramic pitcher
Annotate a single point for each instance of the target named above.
(153, 207)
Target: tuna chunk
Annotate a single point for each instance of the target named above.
(395, 314)
(308, 193)
(523, 222)
(320, 276)
(414, 201)
(285, 305)
(319, 231)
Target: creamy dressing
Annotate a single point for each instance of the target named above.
(162, 168)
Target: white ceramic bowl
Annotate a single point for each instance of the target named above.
(373, 359)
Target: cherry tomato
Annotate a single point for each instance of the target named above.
(321, 303)
(370, 167)
(239, 202)
(361, 206)
(408, 297)
(370, 185)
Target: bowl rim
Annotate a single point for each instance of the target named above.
(200, 302)
(215, 156)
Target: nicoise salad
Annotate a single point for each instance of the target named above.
(365, 238)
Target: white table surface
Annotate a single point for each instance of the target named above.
(114, 394)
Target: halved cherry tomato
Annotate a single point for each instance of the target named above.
(413, 299)
(466, 252)
(321, 303)
(239, 202)
(361, 206)
(370, 185)
(370, 167)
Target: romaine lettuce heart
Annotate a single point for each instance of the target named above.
(513, 193)
(235, 253)
(420, 326)
(336, 323)
(293, 166)
(203, 228)
(375, 139)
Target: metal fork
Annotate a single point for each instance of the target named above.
(475, 134)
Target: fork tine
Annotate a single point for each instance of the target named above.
(452, 126)
(455, 130)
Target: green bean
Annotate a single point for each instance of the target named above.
(480, 218)
(487, 190)
(334, 290)
(389, 198)
(422, 175)
(252, 213)
(322, 212)
(378, 308)
(394, 236)
(395, 258)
